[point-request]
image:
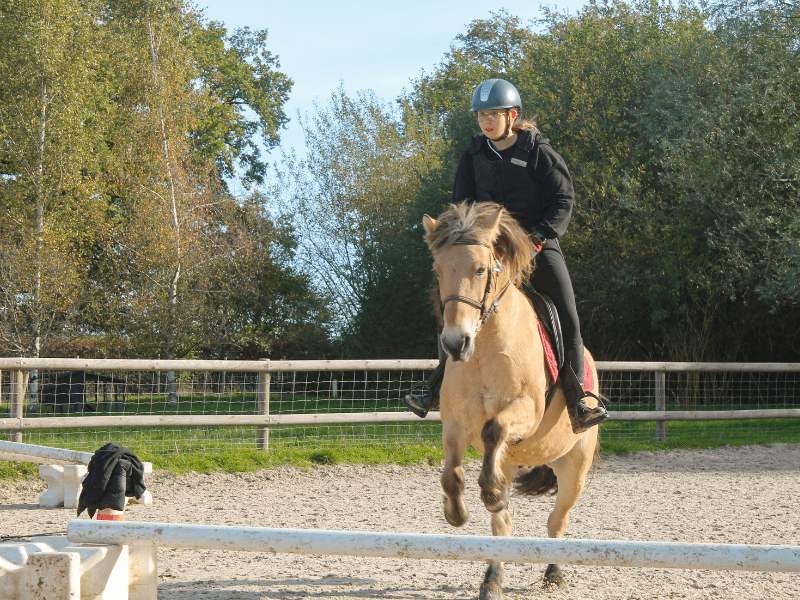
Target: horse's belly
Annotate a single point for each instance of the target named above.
(551, 440)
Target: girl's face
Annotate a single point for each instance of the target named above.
(493, 123)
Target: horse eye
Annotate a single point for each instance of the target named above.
(481, 270)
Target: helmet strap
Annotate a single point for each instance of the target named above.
(508, 128)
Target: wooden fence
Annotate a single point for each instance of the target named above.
(16, 423)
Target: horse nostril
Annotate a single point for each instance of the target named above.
(467, 342)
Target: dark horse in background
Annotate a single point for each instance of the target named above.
(67, 392)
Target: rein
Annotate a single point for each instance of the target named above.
(485, 313)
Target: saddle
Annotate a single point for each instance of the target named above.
(548, 318)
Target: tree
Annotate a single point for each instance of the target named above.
(51, 125)
(186, 96)
(255, 302)
(727, 158)
(120, 124)
(240, 74)
(351, 202)
(675, 121)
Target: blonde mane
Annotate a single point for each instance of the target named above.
(469, 223)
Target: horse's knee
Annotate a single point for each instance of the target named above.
(453, 482)
(492, 434)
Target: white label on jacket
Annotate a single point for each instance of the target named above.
(518, 162)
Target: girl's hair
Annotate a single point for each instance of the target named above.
(522, 123)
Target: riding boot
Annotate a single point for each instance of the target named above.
(580, 415)
(427, 396)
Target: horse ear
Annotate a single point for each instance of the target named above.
(496, 234)
(430, 224)
(494, 221)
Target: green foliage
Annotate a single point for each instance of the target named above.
(52, 118)
(679, 125)
(120, 124)
(351, 202)
(239, 73)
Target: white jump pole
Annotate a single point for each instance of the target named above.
(31, 453)
(729, 557)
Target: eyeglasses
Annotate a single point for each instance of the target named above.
(489, 115)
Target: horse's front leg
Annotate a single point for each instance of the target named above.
(494, 485)
(453, 481)
(512, 424)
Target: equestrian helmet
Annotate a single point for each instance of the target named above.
(495, 93)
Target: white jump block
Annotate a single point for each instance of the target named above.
(64, 485)
(52, 576)
(76, 571)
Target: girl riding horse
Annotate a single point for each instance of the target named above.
(510, 163)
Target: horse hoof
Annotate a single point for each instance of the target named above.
(554, 579)
(495, 501)
(455, 513)
(487, 594)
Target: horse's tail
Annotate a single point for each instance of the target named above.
(539, 481)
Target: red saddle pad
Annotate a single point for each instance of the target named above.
(552, 363)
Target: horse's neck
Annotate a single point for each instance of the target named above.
(509, 356)
(515, 321)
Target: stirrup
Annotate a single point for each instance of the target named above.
(412, 400)
(574, 393)
(428, 397)
(577, 425)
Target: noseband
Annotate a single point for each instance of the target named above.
(485, 313)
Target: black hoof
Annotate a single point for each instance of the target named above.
(554, 579)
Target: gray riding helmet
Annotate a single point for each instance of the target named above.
(495, 93)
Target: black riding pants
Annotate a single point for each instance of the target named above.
(551, 277)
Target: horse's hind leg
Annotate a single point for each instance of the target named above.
(571, 471)
(453, 481)
(492, 586)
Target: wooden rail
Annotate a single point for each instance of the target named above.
(16, 423)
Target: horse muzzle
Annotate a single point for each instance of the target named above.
(458, 344)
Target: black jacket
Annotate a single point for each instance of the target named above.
(530, 179)
(114, 472)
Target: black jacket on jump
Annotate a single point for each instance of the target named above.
(532, 182)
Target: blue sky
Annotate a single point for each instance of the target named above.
(367, 45)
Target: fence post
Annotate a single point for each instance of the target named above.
(17, 400)
(661, 404)
(262, 437)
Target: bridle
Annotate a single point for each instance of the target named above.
(494, 267)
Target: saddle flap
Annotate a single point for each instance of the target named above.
(548, 317)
